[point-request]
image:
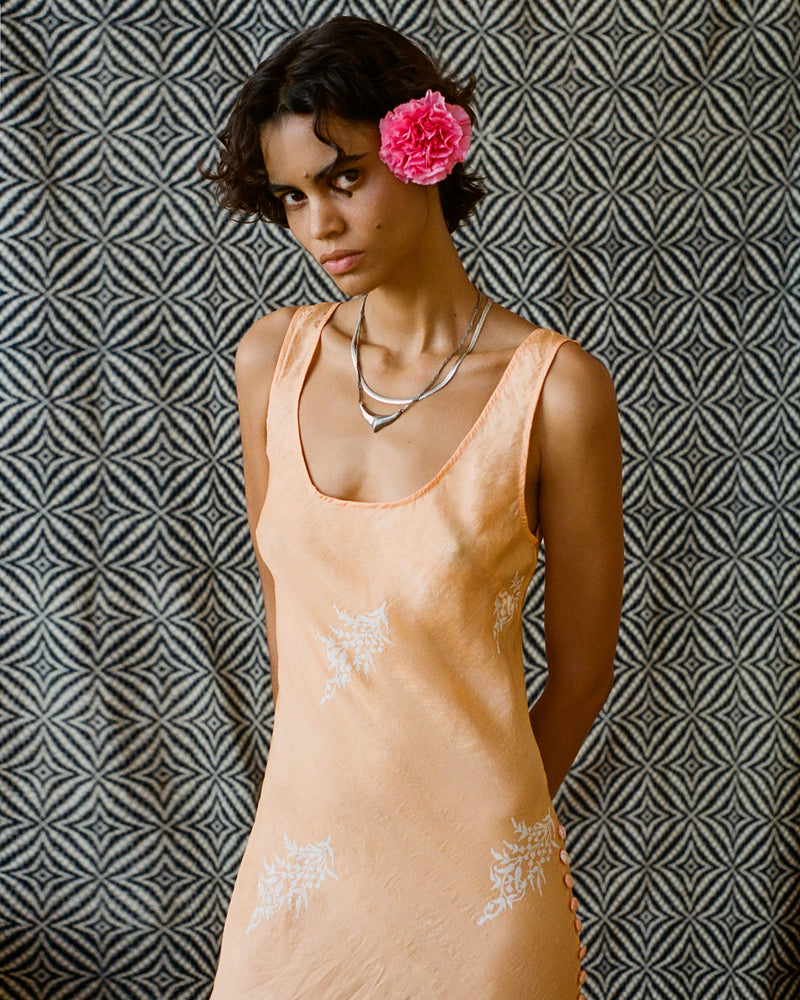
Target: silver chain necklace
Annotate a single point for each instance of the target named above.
(378, 421)
(392, 400)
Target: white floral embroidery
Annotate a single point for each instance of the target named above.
(505, 607)
(520, 865)
(288, 880)
(353, 647)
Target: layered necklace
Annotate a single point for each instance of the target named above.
(377, 421)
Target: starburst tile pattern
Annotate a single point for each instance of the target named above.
(643, 166)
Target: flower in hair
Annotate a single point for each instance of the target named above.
(422, 140)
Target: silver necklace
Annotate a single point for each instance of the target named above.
(378, 421)
(355, 343)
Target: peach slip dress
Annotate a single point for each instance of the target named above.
(405, 846)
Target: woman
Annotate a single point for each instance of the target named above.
(404, 453)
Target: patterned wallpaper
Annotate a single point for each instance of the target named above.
(642, 159)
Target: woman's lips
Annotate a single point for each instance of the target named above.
(338, 265)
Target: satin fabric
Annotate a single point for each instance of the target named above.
(404, 845)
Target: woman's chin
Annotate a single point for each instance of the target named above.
(354, 284)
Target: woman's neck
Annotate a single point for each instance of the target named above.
(425, 309)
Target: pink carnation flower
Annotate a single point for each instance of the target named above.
(422, 140)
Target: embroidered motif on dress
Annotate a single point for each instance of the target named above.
(505, 607)
(289, 879)
(520, 865)
(354, 646)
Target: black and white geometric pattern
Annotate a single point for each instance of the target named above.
(642, 161)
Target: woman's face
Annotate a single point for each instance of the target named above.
(363, 225)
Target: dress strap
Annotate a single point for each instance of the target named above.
(299, 344)
(302, 336)
(537, 355)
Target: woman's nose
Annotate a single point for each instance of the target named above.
(326, 220)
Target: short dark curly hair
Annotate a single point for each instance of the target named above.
(348, 68)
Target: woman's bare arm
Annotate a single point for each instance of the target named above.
(256, 358)
(577, 439)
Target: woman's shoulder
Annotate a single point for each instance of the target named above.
(572, 371)
(509, 331)
(260, 347)
(578, 390)
(578, 393)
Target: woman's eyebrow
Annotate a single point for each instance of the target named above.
(341, 161)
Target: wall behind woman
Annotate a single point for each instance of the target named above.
(643, 166)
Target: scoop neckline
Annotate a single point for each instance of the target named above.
(440, 475)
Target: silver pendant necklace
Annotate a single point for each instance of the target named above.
(378, 421)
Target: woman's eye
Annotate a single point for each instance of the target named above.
(292, 197)
(346, 179)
